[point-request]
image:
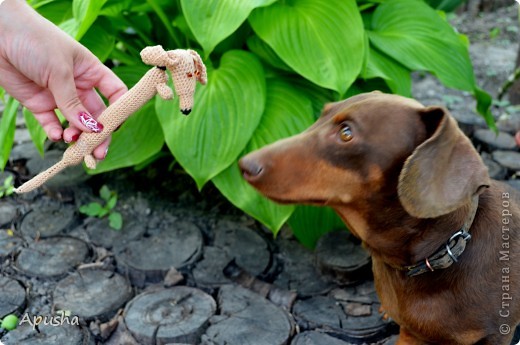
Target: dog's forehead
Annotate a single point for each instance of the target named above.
(370, 103)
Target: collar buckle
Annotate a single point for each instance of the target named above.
(466, 236)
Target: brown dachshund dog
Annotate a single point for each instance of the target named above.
(444, 237)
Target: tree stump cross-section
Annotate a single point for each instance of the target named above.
(175, 315)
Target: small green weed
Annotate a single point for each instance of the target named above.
(95, 209)
(494, 33)
(7, 187)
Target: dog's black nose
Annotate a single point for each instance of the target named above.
(186, 111)
(250, 168)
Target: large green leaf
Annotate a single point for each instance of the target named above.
(287, 112)
(484, 102)
(99, 41)
(226, 112)
(85, 13)
(266, 53)
(36, 131)
(309, 223)
(130, 75)
(317, 95)
(395, 74)
(138, 139)
(115, 8)
(56, 11)
(414, 34)
(7, 128)
(321, 40)
(211, 21)
(445, 5)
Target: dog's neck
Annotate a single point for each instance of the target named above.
(394, 236)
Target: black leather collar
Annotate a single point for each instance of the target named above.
(449, 253)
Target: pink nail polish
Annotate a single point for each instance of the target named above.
(75, 137)
(88, 121)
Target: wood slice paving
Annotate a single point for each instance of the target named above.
(52, 257)
(65, 334)
(92, 293)
(12, 296)
(178, 314)
(150, 258)
(508, 159)
(48, 219)
(492, 141)
(495, 170)
(341, 260)
(208, 272)
(241, 243)
(9, 243)
(191, 288)
(8, 213)
(350, 313)
(100, 233)
(299, 271)
(232, 242)
(247, 318)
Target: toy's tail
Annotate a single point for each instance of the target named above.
(41, 178)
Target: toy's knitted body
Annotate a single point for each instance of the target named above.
(186, 68)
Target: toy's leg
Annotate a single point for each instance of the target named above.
(164, 91)
(90, 162)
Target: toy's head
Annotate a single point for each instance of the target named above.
(186, 68)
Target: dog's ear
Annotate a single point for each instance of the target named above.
(444, 172)
(202, 76)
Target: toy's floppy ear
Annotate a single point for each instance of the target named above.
(444, 172)
(156, 56)
(202, 76)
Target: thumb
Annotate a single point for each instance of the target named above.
(64, 92)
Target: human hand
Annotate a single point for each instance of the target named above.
(45, 69)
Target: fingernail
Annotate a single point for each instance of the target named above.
(88, 121)
(74, 138)
(106, 152)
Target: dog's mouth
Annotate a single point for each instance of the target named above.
(283, 201)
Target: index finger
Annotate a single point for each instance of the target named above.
(109, 85)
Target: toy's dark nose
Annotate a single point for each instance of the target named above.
(251, 169)
(186, 111)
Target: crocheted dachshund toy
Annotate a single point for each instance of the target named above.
(186, 68)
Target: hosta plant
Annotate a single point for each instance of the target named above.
(272, 64)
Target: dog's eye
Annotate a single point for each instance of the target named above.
(345, 134)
